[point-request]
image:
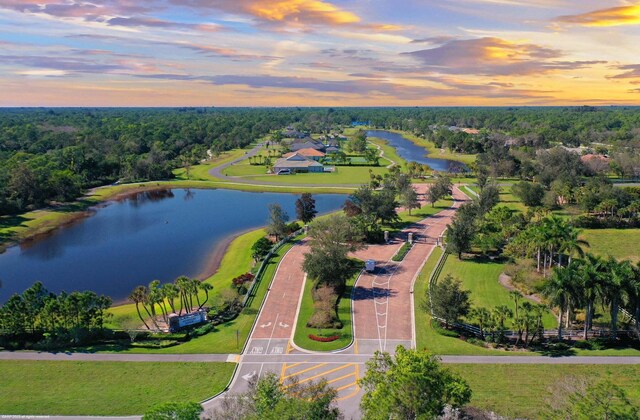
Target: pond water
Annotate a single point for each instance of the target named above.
(411, 152)
(152, 235)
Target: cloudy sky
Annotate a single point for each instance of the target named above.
(318, 52)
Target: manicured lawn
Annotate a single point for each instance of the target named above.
(245, 169)
(389, 152)
(342, 175)
(480, 276)
(426, 336)
(104, 388)
(521, 391)
(619, 243)
(301, 337)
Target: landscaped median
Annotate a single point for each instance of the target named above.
(325, 339)
(105, 388)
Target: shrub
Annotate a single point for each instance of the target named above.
(160, 344)
(443, 331)
(324, 339)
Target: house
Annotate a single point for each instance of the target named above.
(306, 143)
(308, 153)
(296, 163)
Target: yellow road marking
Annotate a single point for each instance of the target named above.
(305, 370)
(342, 377)
(325, 373)
(353, 394)
(296, 364)
(289, 347)
(347, 386)
(284, 369)
(356, 347)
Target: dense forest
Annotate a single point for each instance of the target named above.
(51, 155)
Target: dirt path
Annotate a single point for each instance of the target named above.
(506, 282)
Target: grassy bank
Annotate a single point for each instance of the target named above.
(521, 391)
(123, 388)
(434, 152)
(231, 336)
(301, 337)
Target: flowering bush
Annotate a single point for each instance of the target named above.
(324, 339)
(242, 279)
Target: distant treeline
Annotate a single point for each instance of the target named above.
(55, 154)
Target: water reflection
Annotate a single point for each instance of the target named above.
(411, 152)
(150, 235)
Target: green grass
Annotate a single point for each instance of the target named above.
(301, 337)
(619, 243)
(427, 337)
(349, 175)
(521, 391)
(480, 276)
(104, 388)
(389, 152)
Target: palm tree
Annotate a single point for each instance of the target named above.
(500, 315)
(482, 317)
(170, 292)
(206, 287)
(591, 280)
(183, 284)
(138, 296)
(613, 293)
(156, 297)
(195, 288)
(572, 244)
(558, 290)
(633, 293)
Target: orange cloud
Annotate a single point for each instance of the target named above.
(614, 16)
(308, 10)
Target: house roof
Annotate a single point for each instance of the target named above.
(306, 152)
(294, 161)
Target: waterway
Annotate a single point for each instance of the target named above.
(150, 235)
(411, 152)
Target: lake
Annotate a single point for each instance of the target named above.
(151, 235)
(411, 152)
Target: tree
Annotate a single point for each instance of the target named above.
(138, 296)
(529, 193)
(559, 289)
(331, 241)
(409, 199)
(461, 231)
(581, 399)
(447, 300)
(488, 198)
(261, 248)
(358, 143)
(306, 208)
(174, 411)
(277, 223)
(270, 399)
(439, 190)
(371, 156)
(412, 384)
(482, 316)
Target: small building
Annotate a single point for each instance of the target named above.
(308, 153)
(296, 163)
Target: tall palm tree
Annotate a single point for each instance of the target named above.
(206, 287)
(138, 296)
(156, 297)
(572, 244)
(183, 283)
(633, 293)
(613, 293)
(558, 289)
(592, 276)
(170, 292)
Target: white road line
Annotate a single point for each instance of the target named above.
(275, 323)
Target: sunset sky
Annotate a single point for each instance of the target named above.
(318, 52)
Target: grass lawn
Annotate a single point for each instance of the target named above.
(521, 391)
(480, 276)
(619, 243)
(389, 152)
(301, 337)
(430, 339)
(342, 175)
(104, 388)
